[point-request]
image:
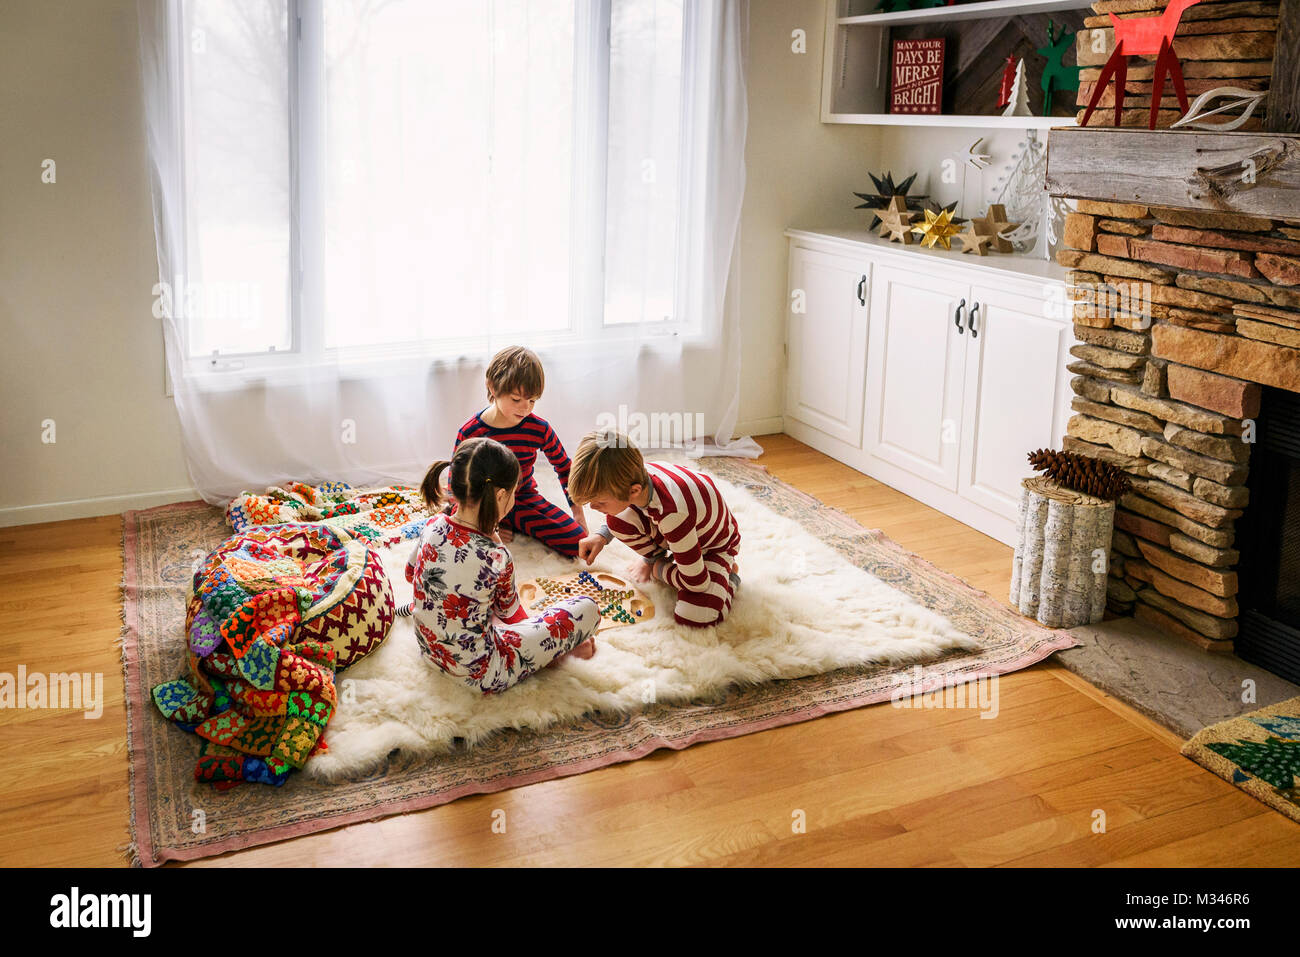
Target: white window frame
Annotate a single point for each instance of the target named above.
(589, 192)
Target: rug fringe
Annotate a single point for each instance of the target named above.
(131, 852)
(131, 849)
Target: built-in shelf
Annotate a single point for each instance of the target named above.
(856, 62)
(950, 119)
(963, 11)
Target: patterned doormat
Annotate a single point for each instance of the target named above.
(173, 817)
(1258, 752)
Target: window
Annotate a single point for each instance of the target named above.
(645, 54)
(366, 175)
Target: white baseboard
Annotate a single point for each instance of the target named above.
(772, 425)
(995, 526)
(90, 507)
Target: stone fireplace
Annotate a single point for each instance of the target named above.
(1184, 280)
(1183, 317)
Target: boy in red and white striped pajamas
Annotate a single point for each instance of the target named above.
(672, 516)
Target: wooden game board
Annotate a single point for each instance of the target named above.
(620, 602)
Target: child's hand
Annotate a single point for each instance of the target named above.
(590, 547)
(580, 516)
(504, 535)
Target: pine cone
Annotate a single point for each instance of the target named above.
(1080, 473)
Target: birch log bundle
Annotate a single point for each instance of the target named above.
(1059, 572)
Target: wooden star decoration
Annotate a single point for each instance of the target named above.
(974, 241)
(936, 229)
(994, 223)
(896, 221)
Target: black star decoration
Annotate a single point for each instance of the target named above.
(885, 191)
(950, 209)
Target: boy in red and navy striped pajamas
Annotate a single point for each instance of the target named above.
(514, 382)
(672, 516)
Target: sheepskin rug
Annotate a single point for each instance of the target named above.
(801, 609)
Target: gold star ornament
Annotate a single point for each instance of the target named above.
(937, 228)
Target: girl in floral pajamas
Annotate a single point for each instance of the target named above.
(468, 619)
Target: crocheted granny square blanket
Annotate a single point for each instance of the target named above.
(381, 517)
(275, 611)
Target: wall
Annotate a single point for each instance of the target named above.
(905, 150)
(799, 172)
(77, 264)
(77, 256)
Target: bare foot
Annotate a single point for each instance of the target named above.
(640, 571)
(584, 650)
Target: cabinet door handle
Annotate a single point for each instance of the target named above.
(862, 290)
(974, 314)
(960, 309)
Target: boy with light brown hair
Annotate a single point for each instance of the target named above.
(515, 381)
(672, 516)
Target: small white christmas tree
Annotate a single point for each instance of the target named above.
(1019, 104)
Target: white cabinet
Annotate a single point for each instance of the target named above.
(1015, 355)
(930, 372)
(915, 373)
(827, 342)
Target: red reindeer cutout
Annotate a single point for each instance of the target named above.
(1144, 36)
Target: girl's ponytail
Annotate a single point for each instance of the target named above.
(487, 507)
(431, 487)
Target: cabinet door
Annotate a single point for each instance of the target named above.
(914, 372)
(827, 342)
(1014, 356)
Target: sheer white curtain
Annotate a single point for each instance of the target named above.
(357, 202)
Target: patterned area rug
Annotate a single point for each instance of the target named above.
(1258, 752)
(173, 817)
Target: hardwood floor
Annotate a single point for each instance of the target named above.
(875, 786)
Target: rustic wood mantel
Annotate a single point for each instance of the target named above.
(1255, 173)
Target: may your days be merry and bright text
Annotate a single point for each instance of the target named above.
(917, 76)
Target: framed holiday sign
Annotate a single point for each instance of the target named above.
(916, 79)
